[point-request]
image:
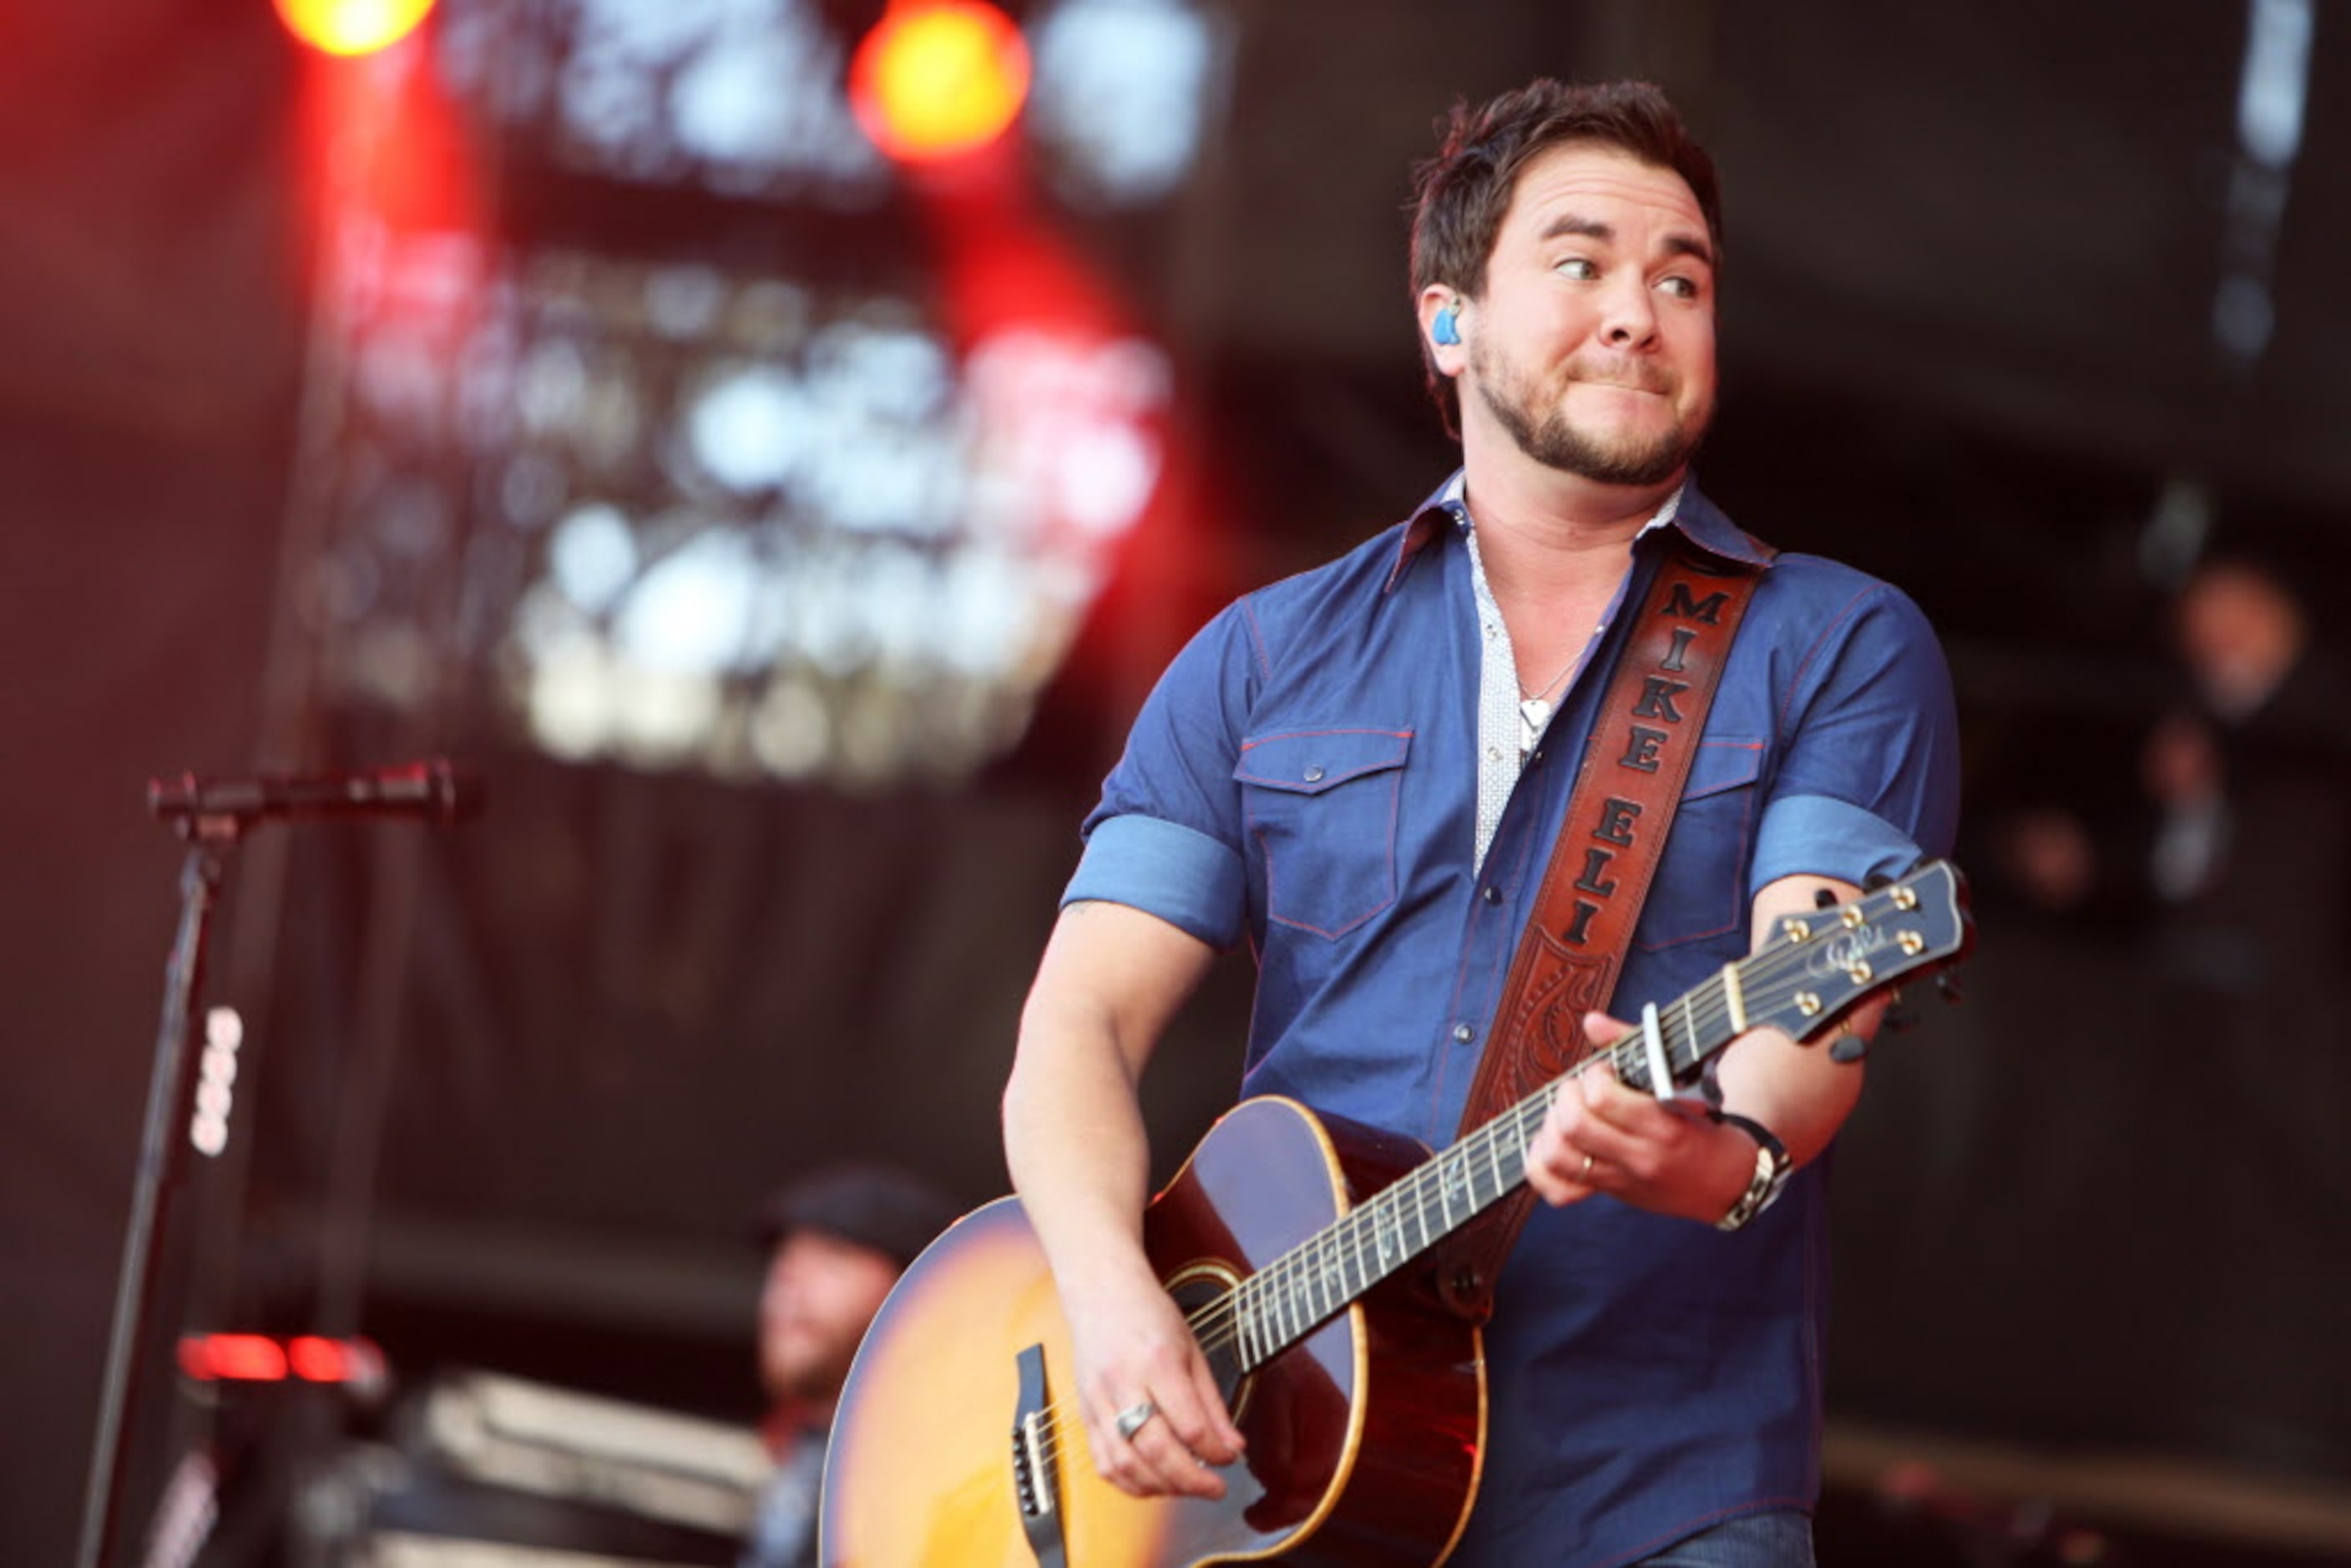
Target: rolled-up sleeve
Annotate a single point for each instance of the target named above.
(1166, 836)
(1185, 878)
(1867, 782)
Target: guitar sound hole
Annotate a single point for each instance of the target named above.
(1201, 1288)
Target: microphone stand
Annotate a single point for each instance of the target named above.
(210, 840)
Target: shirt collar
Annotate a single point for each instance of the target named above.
(1699, 521)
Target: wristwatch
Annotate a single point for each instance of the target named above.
(1772, 1168)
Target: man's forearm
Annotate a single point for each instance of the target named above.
(1111, 979)
(1075, 1145)
(1800, 1092)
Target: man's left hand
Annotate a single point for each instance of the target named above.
(1665, 1156)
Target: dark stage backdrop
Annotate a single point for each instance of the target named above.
(147, 379)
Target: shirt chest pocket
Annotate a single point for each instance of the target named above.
(1701, 885)
(1321, 805)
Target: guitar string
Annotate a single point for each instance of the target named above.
(1331, 1253)
(1767, 984)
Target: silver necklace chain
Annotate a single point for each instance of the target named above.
(1544, 690)
(1534, 708)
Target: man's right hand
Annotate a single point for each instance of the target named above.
(1133, 1348)
(1111, 979)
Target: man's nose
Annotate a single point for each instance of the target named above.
(1629, 317)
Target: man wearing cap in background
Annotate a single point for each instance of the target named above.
(840, 1238)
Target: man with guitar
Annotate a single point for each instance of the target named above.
(1370, 773)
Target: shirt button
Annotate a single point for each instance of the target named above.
(1464, 1033)
(1493, 754)
(1493, 894)
(1314, 776)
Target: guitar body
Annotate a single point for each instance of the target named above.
(1363, 1436)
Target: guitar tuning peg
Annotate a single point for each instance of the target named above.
(1848, 1047)
(1948, 984)
(1823, 899)
(1900, 1017)
(1876, 880)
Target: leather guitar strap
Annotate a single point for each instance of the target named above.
(1633, 770)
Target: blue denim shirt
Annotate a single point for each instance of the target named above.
(1304, 776)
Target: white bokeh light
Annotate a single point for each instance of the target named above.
(692, 613)
(751, 427)
(593, 556)
(758, 528)
(1121, 91)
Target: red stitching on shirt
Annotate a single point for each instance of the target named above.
(1257, 636)
(1297, 734)
(1796, 678)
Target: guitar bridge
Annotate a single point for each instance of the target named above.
(1036, 1480)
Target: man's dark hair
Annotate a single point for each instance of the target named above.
(1461, 194)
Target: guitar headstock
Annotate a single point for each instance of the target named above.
(1821, 963)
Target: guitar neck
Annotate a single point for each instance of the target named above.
(1814, 967)
(1285, 1300)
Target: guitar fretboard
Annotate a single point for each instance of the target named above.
(1287, 1299)
(1816, 964)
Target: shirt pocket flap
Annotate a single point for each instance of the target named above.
(1309, 761)
(1722, 765)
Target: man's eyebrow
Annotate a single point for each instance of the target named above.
(1569, 224)
(1690, 245)
(1592, 229)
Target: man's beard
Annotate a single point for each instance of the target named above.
(1551, 440)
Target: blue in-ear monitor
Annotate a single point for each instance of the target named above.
(1443, 331)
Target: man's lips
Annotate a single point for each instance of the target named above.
(1642, 394)
(1622, 375)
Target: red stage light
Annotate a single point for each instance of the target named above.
(265, 1358)
(232, 1357)
(316, 1359)
(351, 26)
(936, 79)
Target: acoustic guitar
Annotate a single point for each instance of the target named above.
(1306, 1253)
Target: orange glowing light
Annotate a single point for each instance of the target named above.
(936, 79)
(351, 26)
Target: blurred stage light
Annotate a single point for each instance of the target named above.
(1122, 94)
(938, 78)
(806, 518)
(216, 1081)
(351, 26)
(357, 1363)
(232, 1357)
(314, 1358)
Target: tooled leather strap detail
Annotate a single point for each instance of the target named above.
(1633, 770)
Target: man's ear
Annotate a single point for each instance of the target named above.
(1441, 312)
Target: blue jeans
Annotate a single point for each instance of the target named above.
(1782, 1539)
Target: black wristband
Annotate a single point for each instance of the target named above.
(1772, 1167)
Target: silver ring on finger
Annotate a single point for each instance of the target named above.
(1133, 1418)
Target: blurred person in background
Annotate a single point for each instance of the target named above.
(2249, 875)
(2256, 696)
(838, 1239)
